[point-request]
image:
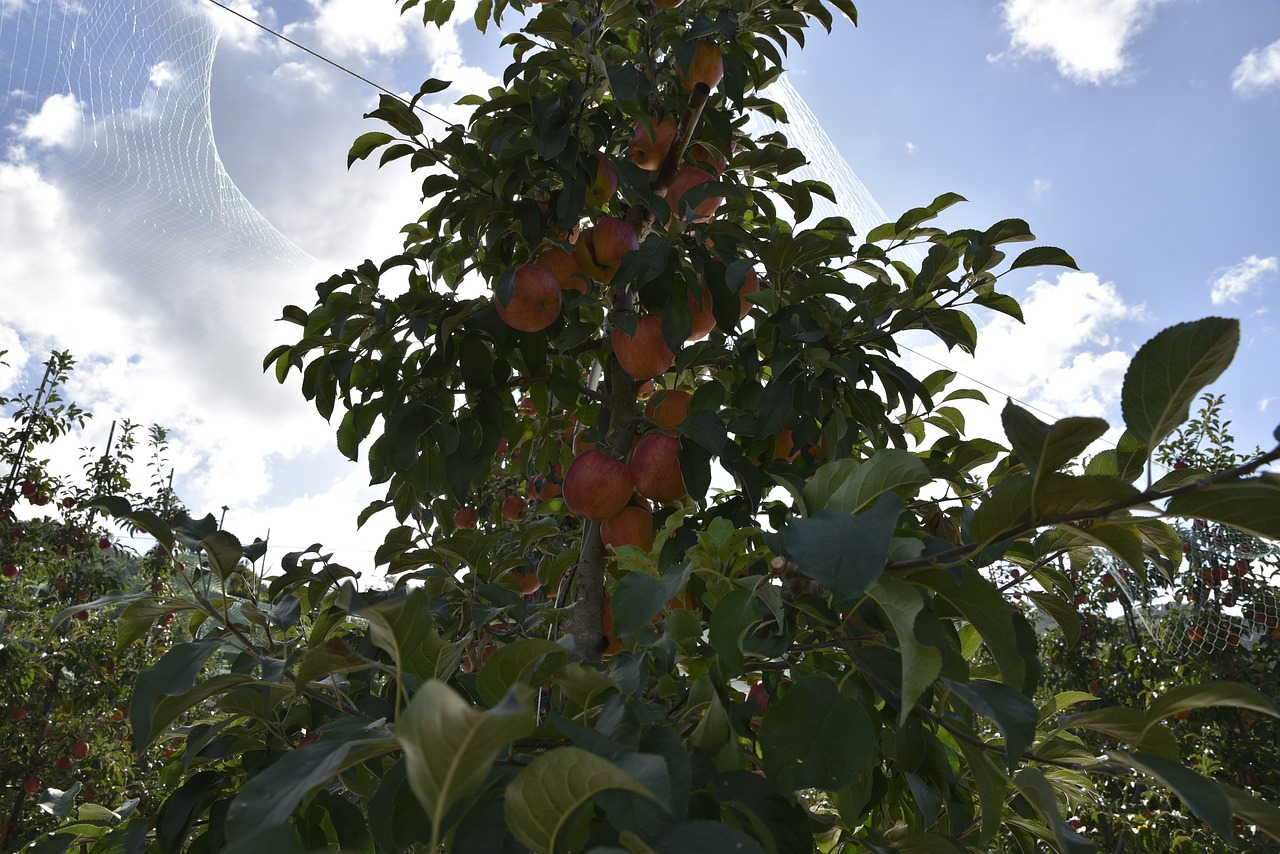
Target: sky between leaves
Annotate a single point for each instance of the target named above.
(1139, 135)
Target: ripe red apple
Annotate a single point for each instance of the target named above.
(104, 543)
(646, 354)
(580, 442)
(63, 762)
(19, 713)
(544, 487)
(759, 695)
(32, 784)
(9, 570)
(514, 507)
(68, 502)
(82, 615)
(80, 749)
(562, 265)
(600, 249)
(1233, 639)
(528, 580)
(668, 407)
(647, 151)
(466, 517)
(40, 499)
(700, 316)
(527, 407)
(631, 526)
(604, 181)
(685, 180)
(597, 486)
(1195, 633)
(535, 299)
(28, 489)
(655, 468)
(750, 285)
(713, 159)
(705, 66)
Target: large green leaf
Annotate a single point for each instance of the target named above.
(1136, 729)
(1205, 797)
(816, 738)
(1207, 694)
(851, 486)
(1012, 711)
(1254, 810)
(1170, 370)
(1251, 505)
(1062, 612)
(517, 662)
(172, 675)
(1005, 511)
(638, 597)
(405, 627)
(449, 745)
(1033, 786)
(1044, 448)
(270, 797)
(921, 661)
(543, 798)
(731, 619)
(223, 551)
(846, 554)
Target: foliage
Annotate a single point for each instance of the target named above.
(811, 654)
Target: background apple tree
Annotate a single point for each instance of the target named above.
(686, 559)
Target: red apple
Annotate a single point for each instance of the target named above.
(80, 749)
(18, 714)
(104, 543)
(714, 159)
(597, 486)
(514, 507)
(655, 468)
(63, 762)
(82, 615)
(600, 249)
(702, 320)
(562, 265)
(647, 151)
(31, 785)
(535, 299)
(10, 570)
(668, 407)
(685, 180)
(40, 499)
(466, 517)
(759, 695)
(528, 580)
(631, 526)
(705, 66)
(28, 489)
(604, 181)
(646, 354)
(750, 285)
(68, 502)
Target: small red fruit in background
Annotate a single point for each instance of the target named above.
(82, 615)
(31, 785)
(63, 762)
(1183, 715)
(1107, 580)
(40, 499)
(29, 489)
(104, 543)
(1094, 687)
(466, 517)
(1233, 640)
(10, 570)
(68, 502)
(759, 695)
(514, 508)
(18, 714)
(80, 748)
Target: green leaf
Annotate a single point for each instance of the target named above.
(365, 145)
(846, 554)
(921, 662)
(1062, 612)
(173, 674)
(1206, 694)
(703, 837)
(1006, 510)
(1251, 505)
(516, 663)
(1045, 448)
(543, 798)
(1254, 810)
(333, 656)
(731, 619)
(1033, 786)
(405, 627)
(1044, 256)
(449, 746)
(1204, 796)
(1128, 725)
(223, 551)
(816, 738)
(144, 520)
(1012, 711)
(850, 486)
(1169, 371)
(270, 797)
(981, 603)
(638, 597)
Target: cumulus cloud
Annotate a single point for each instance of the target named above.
(59, 123)
(234, 31)
(1258, 71)
(349, 29)
(1086, 39)
(1229, 284)
(1040, 186)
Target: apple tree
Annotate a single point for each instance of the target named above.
(685, 559)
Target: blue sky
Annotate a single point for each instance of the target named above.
(1139, 135)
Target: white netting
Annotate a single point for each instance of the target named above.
(112, 97)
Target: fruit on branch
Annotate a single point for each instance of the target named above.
(543, 487)
(19, 713)
(600, 249)
(528, 580)
(28, 489)
(40, 499)
(714, 159)
(596, 486)
(104, 543)
(686, 179)
(631, 526)
(700, 316)
(10, 570)
(31, 784)
(580, 441)
(648, 150)
(604, 181)
(705, 66)
(63, 762)
(535, 299)
(466, 517)
(759, 695)
(513, 508)
(80, 749)
(668, 407)
(655, 468)
(562, 265)
(750, 285)
(644, 355)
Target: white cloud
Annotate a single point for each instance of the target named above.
(1258, 71)
(1040, 186)
(911, 147)
(1265, 402)
(1085, 38)
(58, 123)
(233, 30)
(357, 28)
(162, 74)
(1231, 283)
